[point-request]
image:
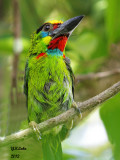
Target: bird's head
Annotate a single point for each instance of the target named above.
(52, 36)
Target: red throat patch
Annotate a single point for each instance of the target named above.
(59, 43)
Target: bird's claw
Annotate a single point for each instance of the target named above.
(74, 105)
(35, 129)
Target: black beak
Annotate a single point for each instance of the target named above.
(67, 27)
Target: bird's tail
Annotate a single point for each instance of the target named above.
(51, 146)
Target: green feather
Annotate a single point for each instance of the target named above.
(39, 71)
(49, 90)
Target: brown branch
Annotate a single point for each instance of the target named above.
(16, 48)
(85, 106)
(16, 19)
(99, 75)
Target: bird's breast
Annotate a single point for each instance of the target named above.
(50, 86)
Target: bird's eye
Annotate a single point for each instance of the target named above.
(47, 27)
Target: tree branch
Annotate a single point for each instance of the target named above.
(99, 75)
(17, 48)
(86, 106)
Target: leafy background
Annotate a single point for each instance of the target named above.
(94, 46)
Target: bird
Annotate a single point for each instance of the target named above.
(49, 81)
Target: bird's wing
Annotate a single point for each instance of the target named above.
(67, 62)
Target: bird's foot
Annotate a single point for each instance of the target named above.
(69, 125)
(74, 105)
(35, 129)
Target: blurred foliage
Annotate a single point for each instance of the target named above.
(112, 22)
(110, 114)
(89, 49)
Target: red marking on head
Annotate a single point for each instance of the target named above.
(56, 25)
(59, 43)
(41, 55)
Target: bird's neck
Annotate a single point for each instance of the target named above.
(54, 52)
(57, 46)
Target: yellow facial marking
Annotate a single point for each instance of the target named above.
(55, 21)
(47, 40)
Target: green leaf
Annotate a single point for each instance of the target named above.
(112, 21)
(110, 114)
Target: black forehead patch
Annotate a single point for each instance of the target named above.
(39, 29)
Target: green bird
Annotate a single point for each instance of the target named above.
(49, 80)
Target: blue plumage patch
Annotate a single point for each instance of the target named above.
(54, 52)
(44, 34)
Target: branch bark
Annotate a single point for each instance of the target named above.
(86, 106)
(17, 48)
(99, 75)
